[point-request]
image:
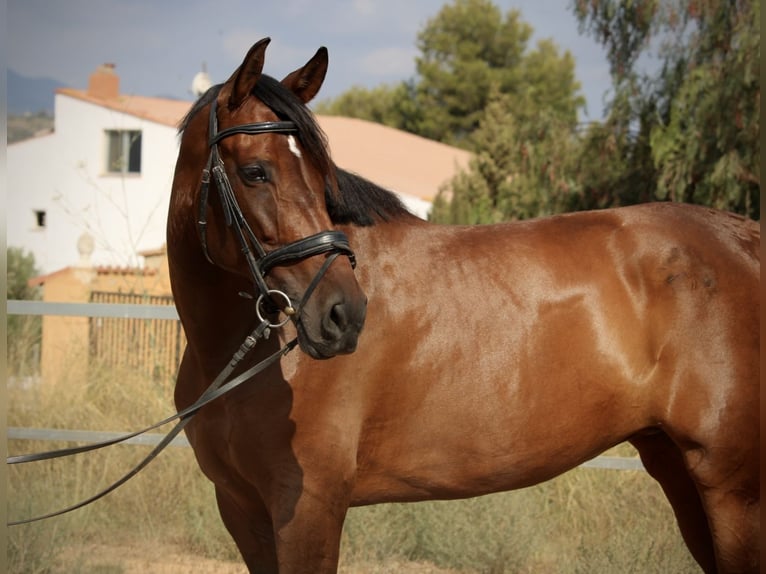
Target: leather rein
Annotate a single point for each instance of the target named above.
(333, 243)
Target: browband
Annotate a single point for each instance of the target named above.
(255, 129)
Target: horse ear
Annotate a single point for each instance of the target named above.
(247, 75)
(306, 81)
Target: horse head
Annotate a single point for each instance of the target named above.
(262, 173)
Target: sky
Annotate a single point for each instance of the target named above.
(159, 45)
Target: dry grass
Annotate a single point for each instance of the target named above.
(585, 521)
(170, 500)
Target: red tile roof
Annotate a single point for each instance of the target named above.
(392, 158)
(159, 110)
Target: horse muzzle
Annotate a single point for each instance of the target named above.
(334, 330)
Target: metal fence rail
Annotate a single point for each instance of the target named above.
(117, 310)
(152, 439)
(89, 437)
(138, 311)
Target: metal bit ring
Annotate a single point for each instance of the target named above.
(288, 310)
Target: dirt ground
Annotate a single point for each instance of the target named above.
(154, 560)
(171, 560)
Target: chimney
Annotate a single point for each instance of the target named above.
(104, 83)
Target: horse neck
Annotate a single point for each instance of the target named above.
(215, 317)
(209, 305)
(386, 237)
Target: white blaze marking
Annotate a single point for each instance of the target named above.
(293, 146)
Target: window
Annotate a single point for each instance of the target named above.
(39, 218)
(123, 151)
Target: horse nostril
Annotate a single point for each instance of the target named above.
(339, 317)
(341, 324)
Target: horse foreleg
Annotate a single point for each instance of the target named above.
(664, 462)
(252, 531)
(308, 540)
(736, 530)
(732, 503)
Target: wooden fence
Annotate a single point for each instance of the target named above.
(151, 347)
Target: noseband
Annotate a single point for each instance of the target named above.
(332, 242)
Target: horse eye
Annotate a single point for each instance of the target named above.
(254, 174)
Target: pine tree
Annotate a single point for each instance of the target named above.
(520, 170)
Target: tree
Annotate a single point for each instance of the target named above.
(521, 169)
(470, 48)
(614, 166)
(21, 268)
(709, 150)
(699, 114)
(466, 50)
(383, 104)
(23, 332)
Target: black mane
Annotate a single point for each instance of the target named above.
(362, 202)
(202, 101)
(350, 198)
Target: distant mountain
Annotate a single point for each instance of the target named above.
(30, 95)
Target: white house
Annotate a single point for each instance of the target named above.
(106, 171)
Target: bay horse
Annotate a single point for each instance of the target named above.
(459, 360)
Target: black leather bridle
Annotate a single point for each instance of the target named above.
(331, 242)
